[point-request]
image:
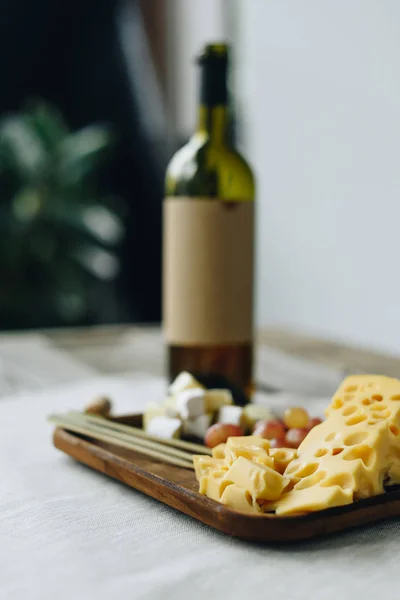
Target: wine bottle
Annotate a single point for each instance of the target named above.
(208, 242)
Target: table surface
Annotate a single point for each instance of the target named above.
(115, 349)
(68, 532)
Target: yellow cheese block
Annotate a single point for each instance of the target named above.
(262, 482)
(353, 454)
(219, 451)
(213, 485)
(240, 499)
(301, 501)
(251, 446)
(282, 457)
(203, 465)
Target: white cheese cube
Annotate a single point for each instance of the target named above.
(152, 410)
(190, 403)
(233, 415)
(164, 427)
(217, 398)
(184, 381)
(169, 405)
(253, 413)
(198, 426)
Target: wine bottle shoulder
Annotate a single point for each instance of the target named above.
(201, 168)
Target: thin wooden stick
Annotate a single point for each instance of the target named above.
(80, 419)
(135, 431)
(66, 423)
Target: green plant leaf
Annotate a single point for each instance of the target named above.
(81, 153)
(21, 149)
(48, 123)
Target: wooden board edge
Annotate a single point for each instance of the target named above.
(263, 528)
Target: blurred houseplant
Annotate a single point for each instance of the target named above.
(58, 238)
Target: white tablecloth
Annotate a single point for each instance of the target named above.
(67, 532)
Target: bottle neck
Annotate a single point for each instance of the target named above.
(213, 122)
(213, 108)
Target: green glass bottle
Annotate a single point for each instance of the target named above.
(208, 245)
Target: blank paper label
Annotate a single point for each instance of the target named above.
(208, 271)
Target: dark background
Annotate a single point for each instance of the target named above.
(72, 55)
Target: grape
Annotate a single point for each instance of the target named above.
(295, 436)
(269, 429)
(314, 422)
(296, 417)
(220, 432)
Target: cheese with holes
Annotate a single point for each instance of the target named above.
(355, 449)
(252, 447)
(241, 474)
(261, 481)
(353, 454)
(240, 499)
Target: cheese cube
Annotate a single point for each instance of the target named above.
(250, 446)
(184, 381)
(218, 451)
(239, 499)
(170, 406)
(203, 465)
(252, 413)
(190, 403)
(197, 427)
(260, 481)
(151, 411)
(164, 427)
(282, 457)
(216, 398)
(233, 415)
(214, 484)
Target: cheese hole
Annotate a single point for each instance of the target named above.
(348, 397)
(395, 397)
(343, 480)
(365, 453)
(337, 403)
(351, 388)
(395, 430)
(366, 402)
(349, 410)
(310, 481)
(331, 436)
(378, 407)
(307, 470)
(355, 420)
(291, 469)
(377, 397)
(336, 451)
(321, 452)
(355, 438)
(381, 415)
(248, 497)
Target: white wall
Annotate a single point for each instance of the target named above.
(320, 84)
(191, 25)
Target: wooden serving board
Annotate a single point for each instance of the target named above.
(178, 487)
